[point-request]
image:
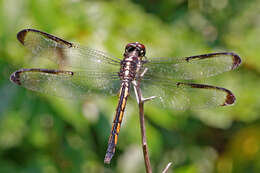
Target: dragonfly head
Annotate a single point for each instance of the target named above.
(140, 48)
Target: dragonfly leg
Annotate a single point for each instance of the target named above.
(145, 70)
(148, 98)
(139, 96)
(136, 93)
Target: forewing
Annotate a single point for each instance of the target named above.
(80, 70)
(66, 54)
(66, 83)
(182, 96)
(193, 67)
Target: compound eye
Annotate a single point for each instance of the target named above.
(130, 49)
(141, 52)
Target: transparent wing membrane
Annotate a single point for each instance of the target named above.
(66, 83)
(182, 96)
(193, 67)
(66, 54)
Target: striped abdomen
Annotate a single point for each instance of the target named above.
(123, 94)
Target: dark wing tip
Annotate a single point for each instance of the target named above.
(22, 34)
(230, 98)
(15, 77)
(236, 60)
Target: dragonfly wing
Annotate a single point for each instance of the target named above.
(193, 67)
(66, 83)
(66, 54)
(182, 96)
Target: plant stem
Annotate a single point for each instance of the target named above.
(143, 131)
(143, 135)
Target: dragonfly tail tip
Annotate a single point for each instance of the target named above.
(107, 160)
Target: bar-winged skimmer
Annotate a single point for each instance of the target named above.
(81, 71)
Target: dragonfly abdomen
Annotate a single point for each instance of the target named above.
(123, 94)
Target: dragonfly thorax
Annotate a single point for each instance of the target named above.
(131, 64)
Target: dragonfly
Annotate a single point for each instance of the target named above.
(79, 71)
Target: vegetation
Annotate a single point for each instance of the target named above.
(46, 134)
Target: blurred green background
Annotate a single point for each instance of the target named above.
(45, 134)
